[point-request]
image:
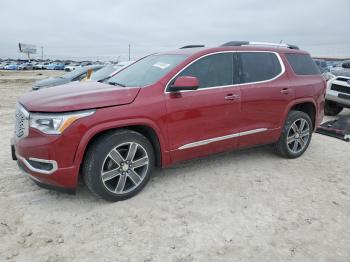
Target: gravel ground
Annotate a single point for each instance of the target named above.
(239, 206)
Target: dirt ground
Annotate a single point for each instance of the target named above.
(249, 205)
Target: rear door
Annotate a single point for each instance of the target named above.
(265, 93)
(204, 121)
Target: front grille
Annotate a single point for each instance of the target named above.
(21, 122)
(339, 88)
(343, 79)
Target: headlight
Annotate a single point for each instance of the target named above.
(55, 124)
(328, 76)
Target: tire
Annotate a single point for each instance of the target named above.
(332, 108)
(296, 135)
(118, 165)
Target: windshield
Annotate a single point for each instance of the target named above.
(78, 71)
(147, 70)
(104, 72)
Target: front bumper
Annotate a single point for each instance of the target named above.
(39, 182)
(48, 160)
(334, 96)
(36, 165)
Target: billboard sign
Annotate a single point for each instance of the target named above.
(28, 49)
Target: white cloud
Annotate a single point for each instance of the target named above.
(90, 29)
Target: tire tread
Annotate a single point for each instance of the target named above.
(90, 158)
(280, 147)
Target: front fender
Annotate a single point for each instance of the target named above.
(102, 127)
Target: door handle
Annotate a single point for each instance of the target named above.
(285, 91)
(232, 97)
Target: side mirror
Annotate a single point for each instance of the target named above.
(184, 83)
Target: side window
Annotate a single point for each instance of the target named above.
(258, 66)
(302, 64)
(213, 70)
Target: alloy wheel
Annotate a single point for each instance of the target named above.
(124, 168)
(298, 135)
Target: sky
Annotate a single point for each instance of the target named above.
(85, 29)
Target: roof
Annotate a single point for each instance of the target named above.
(205, 50)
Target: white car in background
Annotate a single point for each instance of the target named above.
(108, 71)
(41, 65)
(337, 95)
(343, 69)
(71, 67)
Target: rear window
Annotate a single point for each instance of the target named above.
(302, 64)
(259, 66)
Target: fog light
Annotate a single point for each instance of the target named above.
(40, 165)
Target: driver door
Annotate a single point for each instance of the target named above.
(204, 121)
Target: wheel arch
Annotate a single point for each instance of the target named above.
(146, 129)
(307, 106)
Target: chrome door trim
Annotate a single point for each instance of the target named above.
(283, 69)
(220, 138)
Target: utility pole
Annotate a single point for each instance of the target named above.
(129, 52)
(42, 53)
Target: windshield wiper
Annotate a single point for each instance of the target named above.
(116, 84)
(104, 79)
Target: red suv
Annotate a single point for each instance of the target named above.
(168, 107)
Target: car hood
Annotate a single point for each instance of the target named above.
(52, 81)
(339, 71)
(78, 96)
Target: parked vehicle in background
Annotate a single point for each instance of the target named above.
(85, 63)
(71, 67)
(343, 69)
(73, 76)
(41, 65)
(55, 66)
(2, 65)
(26, 66)
(338, 95)
(108, 71)
(165, 108)
(328, 76)
(12, 66)
(322, 65)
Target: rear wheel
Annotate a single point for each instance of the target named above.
(296, 135)
(331, 108)
(118, 165)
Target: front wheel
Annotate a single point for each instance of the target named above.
(296, 135)
(118, 165)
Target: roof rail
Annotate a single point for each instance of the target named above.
(236, 43)
(240, 43)
(191, 46)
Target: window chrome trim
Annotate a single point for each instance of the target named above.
(36, 170)
(220, 138)
(233, 85)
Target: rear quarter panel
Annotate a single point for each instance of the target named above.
(308, 89)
